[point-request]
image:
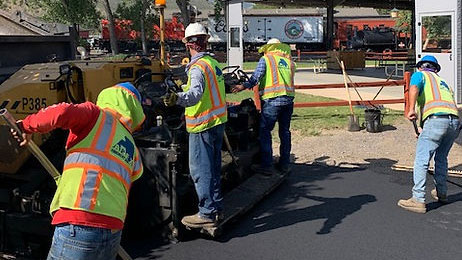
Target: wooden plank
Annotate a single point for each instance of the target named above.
(390, 83)
(345, 103)
(431, 170)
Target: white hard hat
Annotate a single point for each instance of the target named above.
(273, 41)
(194, 29)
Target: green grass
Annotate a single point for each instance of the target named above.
(314, 120)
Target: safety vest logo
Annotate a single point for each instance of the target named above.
(124, 149)
(218, 71)
(444, 85)
(283, 63)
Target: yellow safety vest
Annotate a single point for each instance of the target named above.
(99, 170)
(436, 97)
(210, 111)
(279, 77)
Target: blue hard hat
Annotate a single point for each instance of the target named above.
(430, 59)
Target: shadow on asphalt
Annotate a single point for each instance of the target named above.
(282, 207)
(300, 186)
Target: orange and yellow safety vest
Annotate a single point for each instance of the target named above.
(99, 170)
(437, 97)
(279, 77)
(210, 111)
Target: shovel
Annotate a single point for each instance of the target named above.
(353, 122)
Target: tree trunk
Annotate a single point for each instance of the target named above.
(112, 34)
(183, 5)
(425, 45)
(143, 32)
(143, 35)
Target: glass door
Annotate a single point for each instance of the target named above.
(436, 33)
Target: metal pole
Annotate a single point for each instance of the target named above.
(162, 39)
(330, 25)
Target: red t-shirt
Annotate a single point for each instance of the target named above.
(79, 119)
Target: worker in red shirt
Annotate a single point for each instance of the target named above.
(89, 206)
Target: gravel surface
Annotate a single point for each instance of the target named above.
(340, 147)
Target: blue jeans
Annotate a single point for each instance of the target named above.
(82, 242)
(436, 139)
(205, 169)
(269, 116)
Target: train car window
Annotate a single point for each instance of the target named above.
(436, 34)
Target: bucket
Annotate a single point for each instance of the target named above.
(373, 120)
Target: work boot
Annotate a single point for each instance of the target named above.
(197, 221)
(412, 205)
(265, 171)
(284, 169)
(442, 198)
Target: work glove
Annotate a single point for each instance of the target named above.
(170, 99)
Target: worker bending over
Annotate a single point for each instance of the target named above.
(205, 114)
(102, 161)
(275, 75)
(438, 113)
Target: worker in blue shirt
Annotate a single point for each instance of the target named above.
(440, 121)
(275, 76)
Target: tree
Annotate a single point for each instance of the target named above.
(438, 28)
(217, 9)
(404, 23)
(139, 12)
(185, 12)
(112, 35)
(71, 12)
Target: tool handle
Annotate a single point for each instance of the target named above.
(123, 254)
(9, 119)
(416, 129)
(346, 86)
(33, 148)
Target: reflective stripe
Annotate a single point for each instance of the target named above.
(105, 133)
(272, 89)
(435, 88)
(88, 189)
(273, 68)
(99, 161)
(137, 165)
(212, 82)
(441, 104)
(292, 71)
(213, 113)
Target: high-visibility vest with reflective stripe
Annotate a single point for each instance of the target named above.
(210, 111)
(279, 77)
(99, 170)
(437, 96)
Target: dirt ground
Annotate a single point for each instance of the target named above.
(395, 145)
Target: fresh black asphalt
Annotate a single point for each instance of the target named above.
(336, 212)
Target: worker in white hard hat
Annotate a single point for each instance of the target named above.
(205, 114)
(275, 76)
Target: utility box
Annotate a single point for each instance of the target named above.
(438, 33)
